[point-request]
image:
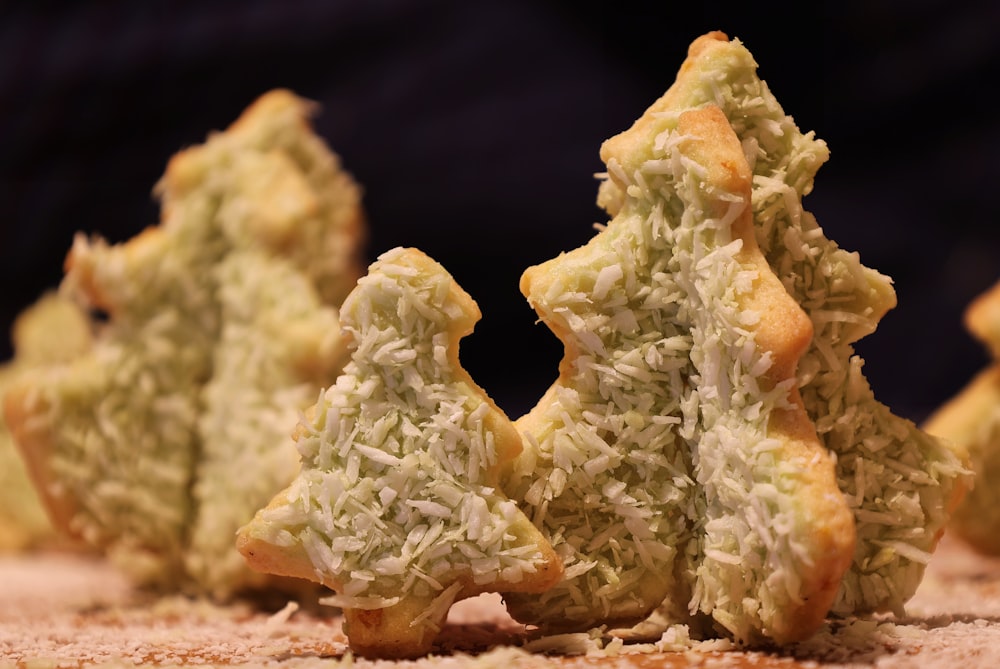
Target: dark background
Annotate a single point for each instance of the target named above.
(475, 128)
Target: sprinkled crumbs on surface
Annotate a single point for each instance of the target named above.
(70, 611)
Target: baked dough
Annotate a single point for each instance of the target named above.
(51, 330)
(217, 327)
(397, 507)
(672, 460)
(971, 420)
(900, 482)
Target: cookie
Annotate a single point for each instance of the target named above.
(50, 330)
(217, 327)
(971, 420)
(672, 460)
(901, 483)
(397, 507)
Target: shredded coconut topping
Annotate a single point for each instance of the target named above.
(171, 431)
(649, 465)
(898, 480)
(397, 493)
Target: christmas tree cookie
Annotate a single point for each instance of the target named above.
(673, 460)
(900, 482)
(51, 330)
(397, 507)
(971, 420)
(215, 328)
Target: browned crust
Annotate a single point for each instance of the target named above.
(630, 142)
(982, 318)
(960, 422)
(24, 411)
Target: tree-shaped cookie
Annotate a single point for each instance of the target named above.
(278, 345)
(971, 420)
(900, 482)
(672, 459)
(51, 330)
(396, 507)
(215, 328)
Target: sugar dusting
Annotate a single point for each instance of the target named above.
(73, 611)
